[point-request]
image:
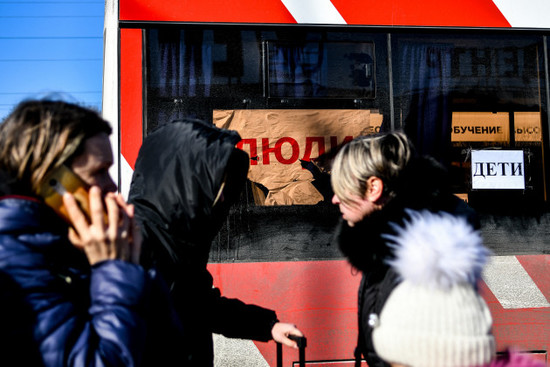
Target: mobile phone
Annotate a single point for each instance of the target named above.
(57, 183)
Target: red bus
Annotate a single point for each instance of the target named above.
(297, 77)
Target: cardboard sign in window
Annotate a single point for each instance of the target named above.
(480, 127)
(527, 126)
(279, 141)
(495, 127)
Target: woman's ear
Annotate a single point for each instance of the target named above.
(375, 187)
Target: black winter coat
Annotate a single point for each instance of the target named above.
(422, 186)
(178, 176)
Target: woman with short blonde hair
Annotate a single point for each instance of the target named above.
(376, 181)
(383, 156)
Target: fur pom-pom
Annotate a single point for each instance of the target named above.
(437, 250)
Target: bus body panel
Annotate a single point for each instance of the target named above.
(427, 13)
(314, 286)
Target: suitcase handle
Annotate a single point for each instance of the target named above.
(302, 343)
(300, 340)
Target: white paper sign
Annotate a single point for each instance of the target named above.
(498, 169)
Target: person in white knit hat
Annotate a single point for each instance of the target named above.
(435, 317)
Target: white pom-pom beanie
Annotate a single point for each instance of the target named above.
(435, 316)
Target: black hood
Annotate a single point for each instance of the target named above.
(179, 171)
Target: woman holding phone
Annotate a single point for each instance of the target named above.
(86, 299)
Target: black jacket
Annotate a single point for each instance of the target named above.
(178, 175)
(421, 186)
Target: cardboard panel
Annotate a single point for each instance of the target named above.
(480, 127)
(282, 144)
(527, 126)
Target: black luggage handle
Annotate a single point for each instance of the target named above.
(302, 343)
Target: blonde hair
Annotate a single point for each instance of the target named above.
(41, 135)
(383, 156)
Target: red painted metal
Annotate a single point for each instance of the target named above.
(539, 265)
(525, 329)
(320, 297)
(242, 11)
(131, 98)
(466, 13)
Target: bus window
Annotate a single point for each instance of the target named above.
(292, 96)
(457, 94)
(192, 71)
(321, 69)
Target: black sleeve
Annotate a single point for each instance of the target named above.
(236, 319)
(459, 208)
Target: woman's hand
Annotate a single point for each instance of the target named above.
(119, 238)
(281, 331)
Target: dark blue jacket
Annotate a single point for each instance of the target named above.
(78, 315)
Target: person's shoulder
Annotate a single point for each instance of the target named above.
(421, 184)
(30, 223)
(460, 208)
(19, 213)
(14, 204)
(425, 168)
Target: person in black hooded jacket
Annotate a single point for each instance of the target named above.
(187, 175)
(376, 179)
